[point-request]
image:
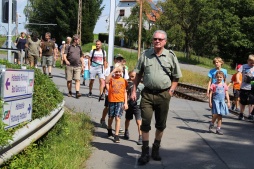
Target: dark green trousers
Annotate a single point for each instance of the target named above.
(154, 103)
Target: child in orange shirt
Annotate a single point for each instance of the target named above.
(236, 89)
(117, 98)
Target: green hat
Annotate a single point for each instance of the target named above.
(118, 56)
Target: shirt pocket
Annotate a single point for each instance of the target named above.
(167, 66)
(148, 68)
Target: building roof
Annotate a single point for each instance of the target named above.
(128, 0)
(152, 15)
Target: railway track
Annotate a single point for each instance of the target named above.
(196, 93)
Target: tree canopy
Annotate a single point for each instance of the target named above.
(210, 27)
(64, 13)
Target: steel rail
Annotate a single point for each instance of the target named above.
(180, 94)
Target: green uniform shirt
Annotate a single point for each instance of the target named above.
(155, 78)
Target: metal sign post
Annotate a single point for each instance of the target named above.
(111, 32)
(9, 31)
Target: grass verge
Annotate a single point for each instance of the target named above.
(67, 145)
(194, 78)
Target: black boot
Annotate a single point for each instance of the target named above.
(144, 156)
(155, 152)
(110, 132)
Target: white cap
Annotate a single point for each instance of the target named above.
(63, 42)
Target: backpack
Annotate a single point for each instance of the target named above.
(129, 91)
(248, 77)
(112, 67)
(103, 52)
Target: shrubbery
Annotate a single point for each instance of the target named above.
(46, 97)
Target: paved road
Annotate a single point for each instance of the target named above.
(186, 142)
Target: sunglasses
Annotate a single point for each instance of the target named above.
(159, 39)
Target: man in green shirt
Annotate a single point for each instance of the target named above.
(157, 65)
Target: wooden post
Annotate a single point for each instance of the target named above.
(140, 27)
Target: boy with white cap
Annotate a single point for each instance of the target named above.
(62, 47)
(87, 63)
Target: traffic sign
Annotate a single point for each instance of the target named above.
(16, 83)
(17, 111)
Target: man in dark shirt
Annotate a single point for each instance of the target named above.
(47, 47)
(74, 65)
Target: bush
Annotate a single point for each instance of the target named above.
(46, 97)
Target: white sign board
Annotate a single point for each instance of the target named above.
(17, 111)
(17, 83)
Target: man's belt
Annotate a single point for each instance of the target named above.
(153, 91)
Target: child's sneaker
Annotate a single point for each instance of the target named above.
(78, 95)
(218, 131)
(139, 140)
(250, 117)
(101, 97)
(69, 94)
(103, 124)
(89, 94)
(116, 139)
(126, 135)
(240, 117)
(121, 130)
(110, 132)
(211, 127)
(238, 110)
(232, 106)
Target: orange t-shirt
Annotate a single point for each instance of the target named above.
(117, 89)
(236, 85)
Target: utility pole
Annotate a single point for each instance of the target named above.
(111, 34)
(140, 27)
(9, 31)
(17, 24)
(79, 19)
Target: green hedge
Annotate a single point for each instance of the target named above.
(103, 37)
(46, 97)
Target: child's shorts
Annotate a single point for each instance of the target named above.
(246, 97)
(115, 109)
(236, 93)
(133, 110)
(86, 75)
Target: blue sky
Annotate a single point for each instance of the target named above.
(22, 19)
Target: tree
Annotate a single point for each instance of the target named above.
(91, 11)
(211, 27)
(63, 13)
(226, 30)
(181, 16)
(132, 24)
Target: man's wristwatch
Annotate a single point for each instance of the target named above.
(171, 90)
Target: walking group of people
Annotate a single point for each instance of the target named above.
(32, 49)
(243, 90)
(144, 91)
(141, 92)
